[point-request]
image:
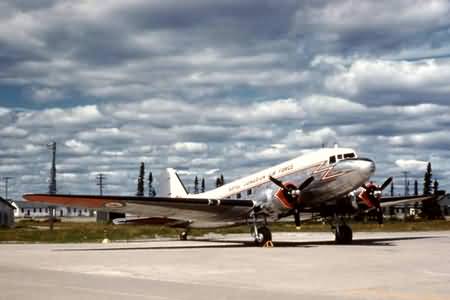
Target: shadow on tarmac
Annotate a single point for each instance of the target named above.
(379, 242)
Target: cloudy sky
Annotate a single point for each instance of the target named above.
(219, 86)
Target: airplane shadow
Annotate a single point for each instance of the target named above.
(377, 242)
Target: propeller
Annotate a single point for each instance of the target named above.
(292, 193)
(374, 196)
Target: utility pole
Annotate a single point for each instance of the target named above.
(52, 182)
(101, 182)
(405, 174)
(6, 179)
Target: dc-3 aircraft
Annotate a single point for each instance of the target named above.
(329, 181)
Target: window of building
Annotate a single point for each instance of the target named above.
(40, 209)
(22, 210)
(34, 209)
(68, 210)
(249, 191)
(332, 159)
(238, 195)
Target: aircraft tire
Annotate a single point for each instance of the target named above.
(183, 236)
(264, 235)
(344, 235)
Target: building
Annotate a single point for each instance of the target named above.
(34, 210)
(6, 213)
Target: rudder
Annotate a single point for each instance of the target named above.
(171, 185)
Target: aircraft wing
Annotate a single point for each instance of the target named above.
(146, 205)
(391, 201)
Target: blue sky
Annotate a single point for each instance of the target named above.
(214, 87)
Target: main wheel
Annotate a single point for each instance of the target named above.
(344, 234)
(183, 236)
(264, 235)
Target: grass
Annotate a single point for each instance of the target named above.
(38, 232)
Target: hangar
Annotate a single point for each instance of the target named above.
(6, 213)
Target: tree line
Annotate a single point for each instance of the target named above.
(199, 184)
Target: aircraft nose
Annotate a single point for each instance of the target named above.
(366, 166)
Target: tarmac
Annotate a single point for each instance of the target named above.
(413, 265)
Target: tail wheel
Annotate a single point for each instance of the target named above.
(183, 236)
(264, 235)
(344, 235)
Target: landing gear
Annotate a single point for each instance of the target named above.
(263, 236)
(343, 232)
(183, 236)
(260, 231)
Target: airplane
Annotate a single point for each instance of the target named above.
(329, 181)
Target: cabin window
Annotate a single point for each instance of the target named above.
(332, 159)
(238, 195)
(349, 155)
(249, 191)
(340, 156)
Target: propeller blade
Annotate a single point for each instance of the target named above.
(277, 182)
(306, 183)
(386, 183)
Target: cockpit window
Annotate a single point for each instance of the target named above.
(340, 156)
(349, 155)
(332, 159)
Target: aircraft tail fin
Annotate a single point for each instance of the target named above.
(171, 185)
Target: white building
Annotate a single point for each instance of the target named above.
(24, 209)
(6, 213)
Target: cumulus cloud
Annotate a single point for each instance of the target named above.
(223, 85)
(411, 164)
(190, 147)
(381, 82)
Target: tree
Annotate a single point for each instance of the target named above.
(217, 182)
(151, 190)
(220, 181)
(203, 185)
(430, 208)
(392, 188)
(196, 185)
(427, 180)
(416, 187)
(435, 186)
(140, 182)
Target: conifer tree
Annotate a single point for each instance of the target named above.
(203, 185)
(435, 186)
(217, 182)
(196, 185)
(392, 189)
(427, 179)
(140, 183)
(151, 190)
(416, 188)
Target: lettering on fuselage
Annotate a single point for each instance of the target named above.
(262, 178)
